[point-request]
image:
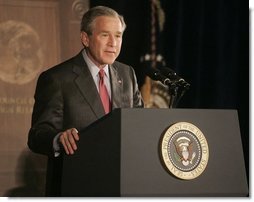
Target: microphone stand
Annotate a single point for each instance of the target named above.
(173, 88)
(173, 84)
(173, 94)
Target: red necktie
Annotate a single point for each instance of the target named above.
(103, 92)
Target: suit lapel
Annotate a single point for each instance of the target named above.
(116, 88)
(87, 87)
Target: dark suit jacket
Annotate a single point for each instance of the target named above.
(65, 97)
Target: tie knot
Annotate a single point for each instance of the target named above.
(101, 73)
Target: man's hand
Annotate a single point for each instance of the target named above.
(68, 139)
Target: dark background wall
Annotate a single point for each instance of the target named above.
(206, 42)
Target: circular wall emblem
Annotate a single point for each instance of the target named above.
(184, 150)
(21, 55)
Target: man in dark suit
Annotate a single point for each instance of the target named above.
(67, 96)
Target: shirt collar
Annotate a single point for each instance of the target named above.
(92, 67)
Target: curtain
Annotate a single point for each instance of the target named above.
(205, 42)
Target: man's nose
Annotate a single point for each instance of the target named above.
(112, 41)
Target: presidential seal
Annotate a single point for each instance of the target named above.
(184, 150)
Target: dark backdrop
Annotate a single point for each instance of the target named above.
(205, 42)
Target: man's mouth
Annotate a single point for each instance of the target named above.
(108, 51)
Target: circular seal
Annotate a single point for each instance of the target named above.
(184, 150)
(21, 56)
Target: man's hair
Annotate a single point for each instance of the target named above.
(93, 13)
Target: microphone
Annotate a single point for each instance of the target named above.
(156, 75)
(171, 74)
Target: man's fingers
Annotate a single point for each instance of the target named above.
(75, 134)
(72, 142)
(73, 138)
(69, 144)
(62, 140)
(68, 140)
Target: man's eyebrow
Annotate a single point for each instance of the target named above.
(104, 31)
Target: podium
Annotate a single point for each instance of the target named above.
(119, 155)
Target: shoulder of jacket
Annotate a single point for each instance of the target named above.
(59, 68)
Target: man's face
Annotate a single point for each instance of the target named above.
(104, 44)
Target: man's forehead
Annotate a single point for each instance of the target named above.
(108, 24)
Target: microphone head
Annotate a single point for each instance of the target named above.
(167, 72)
(171, 74)
(156, 75)
(152, 73)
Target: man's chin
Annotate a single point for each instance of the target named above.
(110, 62)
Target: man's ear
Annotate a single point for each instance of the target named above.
(84, 39)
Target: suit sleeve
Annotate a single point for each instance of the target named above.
(137, 98)
(47, 117)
